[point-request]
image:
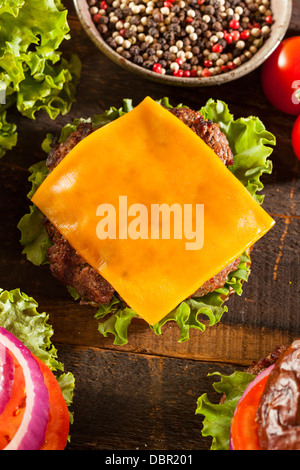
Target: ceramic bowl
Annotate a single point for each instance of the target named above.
(282, 10)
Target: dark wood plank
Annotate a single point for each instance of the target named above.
(128, 401)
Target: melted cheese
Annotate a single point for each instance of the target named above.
(148, 156)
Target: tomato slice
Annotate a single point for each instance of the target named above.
(244, 428)
(58, 425)
(12, 415)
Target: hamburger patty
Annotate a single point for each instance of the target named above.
(65, 264)
(70, 268)
(59, 151)
(208, 131)
(217, 281)
(258, 366)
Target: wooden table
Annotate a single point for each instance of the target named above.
(143, 395)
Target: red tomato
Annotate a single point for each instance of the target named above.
(281, 76)
(244, 425)
(296, 137)
(58, 425)
(12, 415)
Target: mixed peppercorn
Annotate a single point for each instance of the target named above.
(184, 38)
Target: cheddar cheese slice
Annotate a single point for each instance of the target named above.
(152, 208)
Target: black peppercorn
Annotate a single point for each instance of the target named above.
(148, 64)
(134, 50)
(153, 32)
(138, 60)
(126, 54)
(151, 51)
(102, 28)
(217, 26)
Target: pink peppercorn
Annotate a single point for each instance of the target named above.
(245, 34)
(205, 73)
(96, 18)
(208, 63)
(234, 24)
(228, 37)
(217, 48)
(157, 68)
(235, 35)
(231, 65)
(178, 73)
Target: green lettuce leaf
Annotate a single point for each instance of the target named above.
(33, 73)
(251, 144)
(8, 134)
(53, 90)
(112, 113)
(34, 237)
(187, 315)
(19, 315)
(12, 8)
(218, 417)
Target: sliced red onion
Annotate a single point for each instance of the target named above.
(31, 432)
(7, 369)
(257, 379)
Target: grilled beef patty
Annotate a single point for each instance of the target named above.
(208, 131)
(70, 268)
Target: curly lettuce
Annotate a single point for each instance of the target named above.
(34, 236)
(33, 74)
(8, 134)
(19, 315)
(218, 417)
(251, 144)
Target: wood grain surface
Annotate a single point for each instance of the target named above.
(143, 395)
